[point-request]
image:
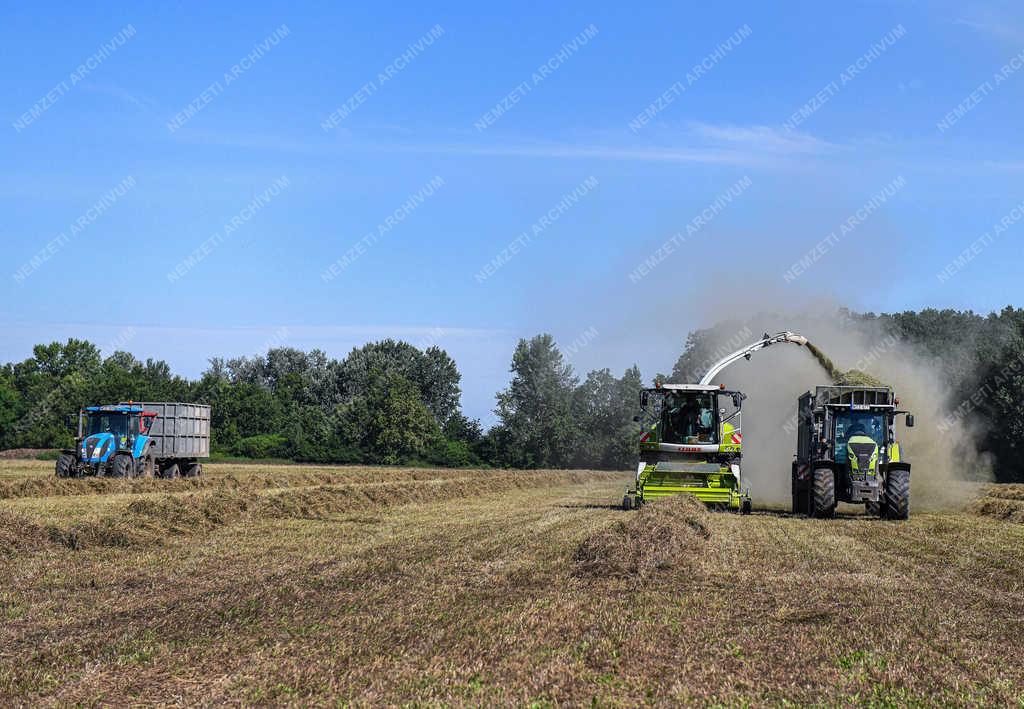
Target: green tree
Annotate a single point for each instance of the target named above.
(603, 410)
(536, 409)
(389, 422)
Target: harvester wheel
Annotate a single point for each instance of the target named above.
(120, 466)
(745, 507)
(627, 504)
(897, 494)
(172, 472)
(64, 464)
(873, 509)
(824, 493)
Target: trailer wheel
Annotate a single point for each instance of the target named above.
(172, 472)
(824, 493)
(193, 470)
(64, 465)
(897, 494)
(120, 466)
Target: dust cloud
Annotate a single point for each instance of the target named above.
(773, 379)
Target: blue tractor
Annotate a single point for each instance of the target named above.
(133, 439)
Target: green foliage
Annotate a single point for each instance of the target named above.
(262, 446)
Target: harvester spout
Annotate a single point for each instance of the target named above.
(745, 353)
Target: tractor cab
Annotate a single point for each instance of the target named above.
(106, 430)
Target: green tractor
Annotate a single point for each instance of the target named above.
(692, 438)
(847, 451)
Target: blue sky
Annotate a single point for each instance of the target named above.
(409, 121)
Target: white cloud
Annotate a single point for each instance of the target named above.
(762, 139)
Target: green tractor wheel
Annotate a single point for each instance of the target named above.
(897, 494)
(824, 493)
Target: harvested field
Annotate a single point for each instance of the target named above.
(392, 586)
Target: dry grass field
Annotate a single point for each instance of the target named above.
(339, 585)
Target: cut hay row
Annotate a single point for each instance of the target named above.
(1004, 492)
(1010, 510)
(661, 535)
(147, 522)
(52, 486)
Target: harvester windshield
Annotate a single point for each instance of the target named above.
(689, 417)
(857, 423)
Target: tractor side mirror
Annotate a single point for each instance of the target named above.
(910, 420)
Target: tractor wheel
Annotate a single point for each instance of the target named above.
(873, 509)
(897, 494)
(824, 493)
(120, 466)
(172, 472)
(64, 465)
(193, 470)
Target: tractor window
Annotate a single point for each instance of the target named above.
(689, 418)
(857, 423)
(108, 423)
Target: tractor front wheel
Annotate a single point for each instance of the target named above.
(897, 494)
(824, 493)
(64, 465)
(120, 466)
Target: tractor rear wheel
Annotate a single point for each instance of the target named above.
(120, 466)
(64, 465)
(172, 472)
(897, 494)
(146, 467)
(824, 493)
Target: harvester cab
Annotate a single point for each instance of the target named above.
(692, 438)
(692, 443)
(110, 440)
(847, 451)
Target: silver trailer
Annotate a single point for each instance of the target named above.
(181, 436)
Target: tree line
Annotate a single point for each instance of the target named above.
(390, 402)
